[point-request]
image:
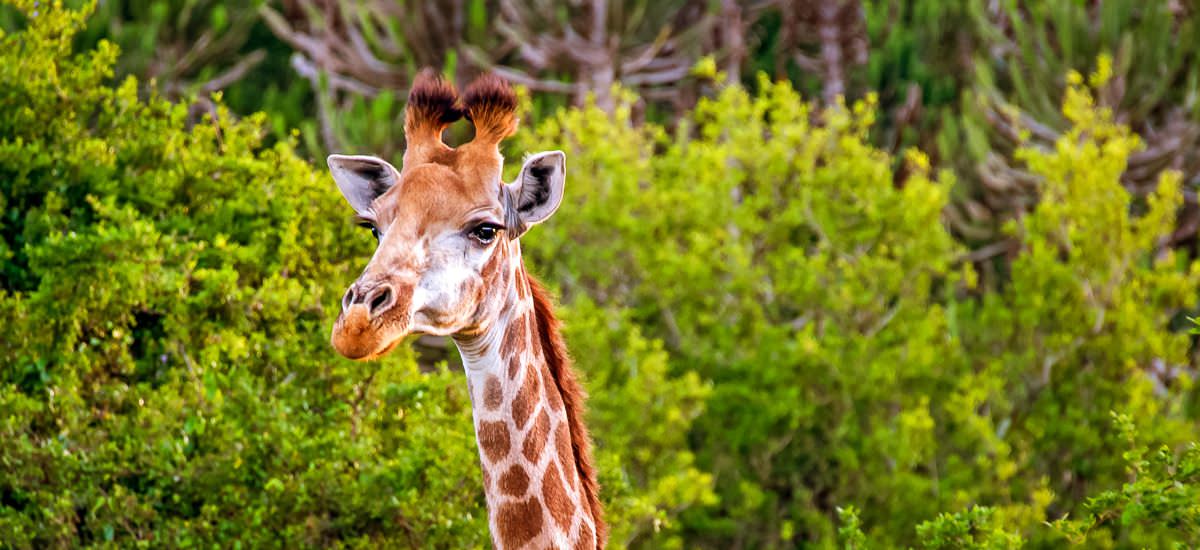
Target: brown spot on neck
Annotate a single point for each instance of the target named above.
(493, 396)
(535, 440)
(514, 367)
(553, 398)
(514, 337)
(493, 439)
(566, 454)
(515, 481)
(585, 541)
(526, 400)
(522, 283)
(518, 522)
(556, 499)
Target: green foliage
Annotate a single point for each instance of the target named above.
(784, 343)
(973, 529)
(640, 415)
(1154, 46)
(191, 48)
(1084, 327)
(166, 378)
(172, 40)
(853, 360)
(850, 531)
(972, 81)
(808, 300)
(1160, 506)
(165, 373)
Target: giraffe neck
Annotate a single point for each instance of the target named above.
(533, 487)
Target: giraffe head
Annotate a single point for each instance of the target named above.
(446, 224)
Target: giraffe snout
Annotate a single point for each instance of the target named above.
(378, 298)
(375, 317)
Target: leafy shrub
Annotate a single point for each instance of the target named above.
(785, 345)
(1159, 506)
(166, 294)
(165, 373)
(853, 360)
(776, 258)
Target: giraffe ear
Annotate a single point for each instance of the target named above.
(362, 178)
(538, 190)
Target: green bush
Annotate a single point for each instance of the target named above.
(852, 357)
(785, 345)
(165, 373)
(1159, 507)
(777, 258)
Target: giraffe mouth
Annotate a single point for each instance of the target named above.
(360, 338)
(376, 355)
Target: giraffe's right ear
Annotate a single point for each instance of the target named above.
(537, 192)
(362, 178)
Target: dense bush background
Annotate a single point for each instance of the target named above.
(797, 328)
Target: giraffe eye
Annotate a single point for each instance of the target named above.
(374, 230)
(485, 233)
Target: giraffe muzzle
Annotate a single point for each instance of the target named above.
(375, 316)
(377, 298)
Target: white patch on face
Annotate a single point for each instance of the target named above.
(452, 260)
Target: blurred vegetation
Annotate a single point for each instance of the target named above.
(942, 303)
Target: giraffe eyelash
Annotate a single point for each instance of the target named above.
(368, 223)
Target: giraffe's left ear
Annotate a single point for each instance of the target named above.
(537, 192)
(362, 179)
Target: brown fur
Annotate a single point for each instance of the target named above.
(556, 499)
(492, 106)
(573, 398)
(585, 538)
(514, 335)
(514, 366)
(566, 451)
(552, 397)
(515, 481)
(535, 440)
(493, 437)
(519, 522)
(526, 399)
(432, 104)
(492, 395)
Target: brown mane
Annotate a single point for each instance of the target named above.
(573, 398)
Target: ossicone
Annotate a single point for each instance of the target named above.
(432, 106)
(491, 105)
(432, 101)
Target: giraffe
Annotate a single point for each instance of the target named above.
(448, 262)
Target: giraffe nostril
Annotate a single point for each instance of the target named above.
(348, 298)
(381, 301)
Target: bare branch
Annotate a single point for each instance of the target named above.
(234, 73)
